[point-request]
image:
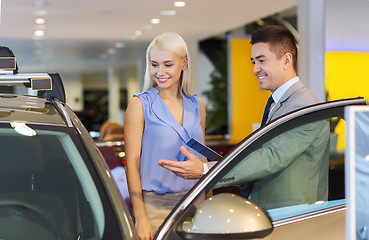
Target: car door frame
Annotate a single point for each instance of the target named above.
(246, 146)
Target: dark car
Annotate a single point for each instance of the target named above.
(55, 183)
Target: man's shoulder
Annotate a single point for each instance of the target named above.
(305, 96)
(297, 97)
(299, 94)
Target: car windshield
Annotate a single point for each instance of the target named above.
(46, 188)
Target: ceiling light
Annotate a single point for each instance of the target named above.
(138, 33)
(40, 3)
(168, 12)
(39, 33)
(40, 21)
(122, 154)
(155, 21)
(120, 44)
(179, 4)
(148, 26)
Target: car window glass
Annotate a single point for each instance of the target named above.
(46, 184)
(314, 127)
(307, 155)
(85, 179)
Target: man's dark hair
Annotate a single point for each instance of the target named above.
(280, 39)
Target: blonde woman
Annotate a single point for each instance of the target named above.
(157, 123)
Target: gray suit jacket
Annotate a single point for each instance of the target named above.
(292, 168)
(297, 96)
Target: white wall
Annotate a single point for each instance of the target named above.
(205, 67)
(74, 90)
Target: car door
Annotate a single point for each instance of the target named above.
(289, 218)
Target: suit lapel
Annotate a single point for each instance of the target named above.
(284, 98)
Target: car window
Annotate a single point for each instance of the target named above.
(290, 169)
(46, 188)
(309, 128)
(296, 171)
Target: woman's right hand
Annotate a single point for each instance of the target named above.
(144, 229)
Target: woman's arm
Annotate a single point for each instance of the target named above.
(203, 119)
(134, 124)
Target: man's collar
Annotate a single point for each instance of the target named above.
(278, 93)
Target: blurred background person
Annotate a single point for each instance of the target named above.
(111, 131)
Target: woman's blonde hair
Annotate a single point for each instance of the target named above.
(172, 42)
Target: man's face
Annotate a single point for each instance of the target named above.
(268, 69)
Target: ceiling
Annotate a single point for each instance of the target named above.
(79, 33)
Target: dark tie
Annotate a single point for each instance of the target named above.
(266, 110)
(247, 187)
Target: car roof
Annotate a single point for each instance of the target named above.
(28, 109)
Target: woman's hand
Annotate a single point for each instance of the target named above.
(144, 229)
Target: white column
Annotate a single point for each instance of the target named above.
(193, 51)
(139, 74)
(113, 95)
(73, 90)
(311, 63)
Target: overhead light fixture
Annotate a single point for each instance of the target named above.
(138, 33)
(39, 33)
(168, 12)
(180, 4)
(40, 4)
(155, 21)
(40, 21)
(121, 154)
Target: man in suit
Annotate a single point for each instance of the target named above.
(293, 167)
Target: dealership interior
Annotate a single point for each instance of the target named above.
(99, 47)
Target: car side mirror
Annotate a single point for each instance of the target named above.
(227, 216)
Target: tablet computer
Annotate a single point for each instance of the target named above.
(207, 152)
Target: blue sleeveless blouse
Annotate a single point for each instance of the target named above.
(162, 138)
